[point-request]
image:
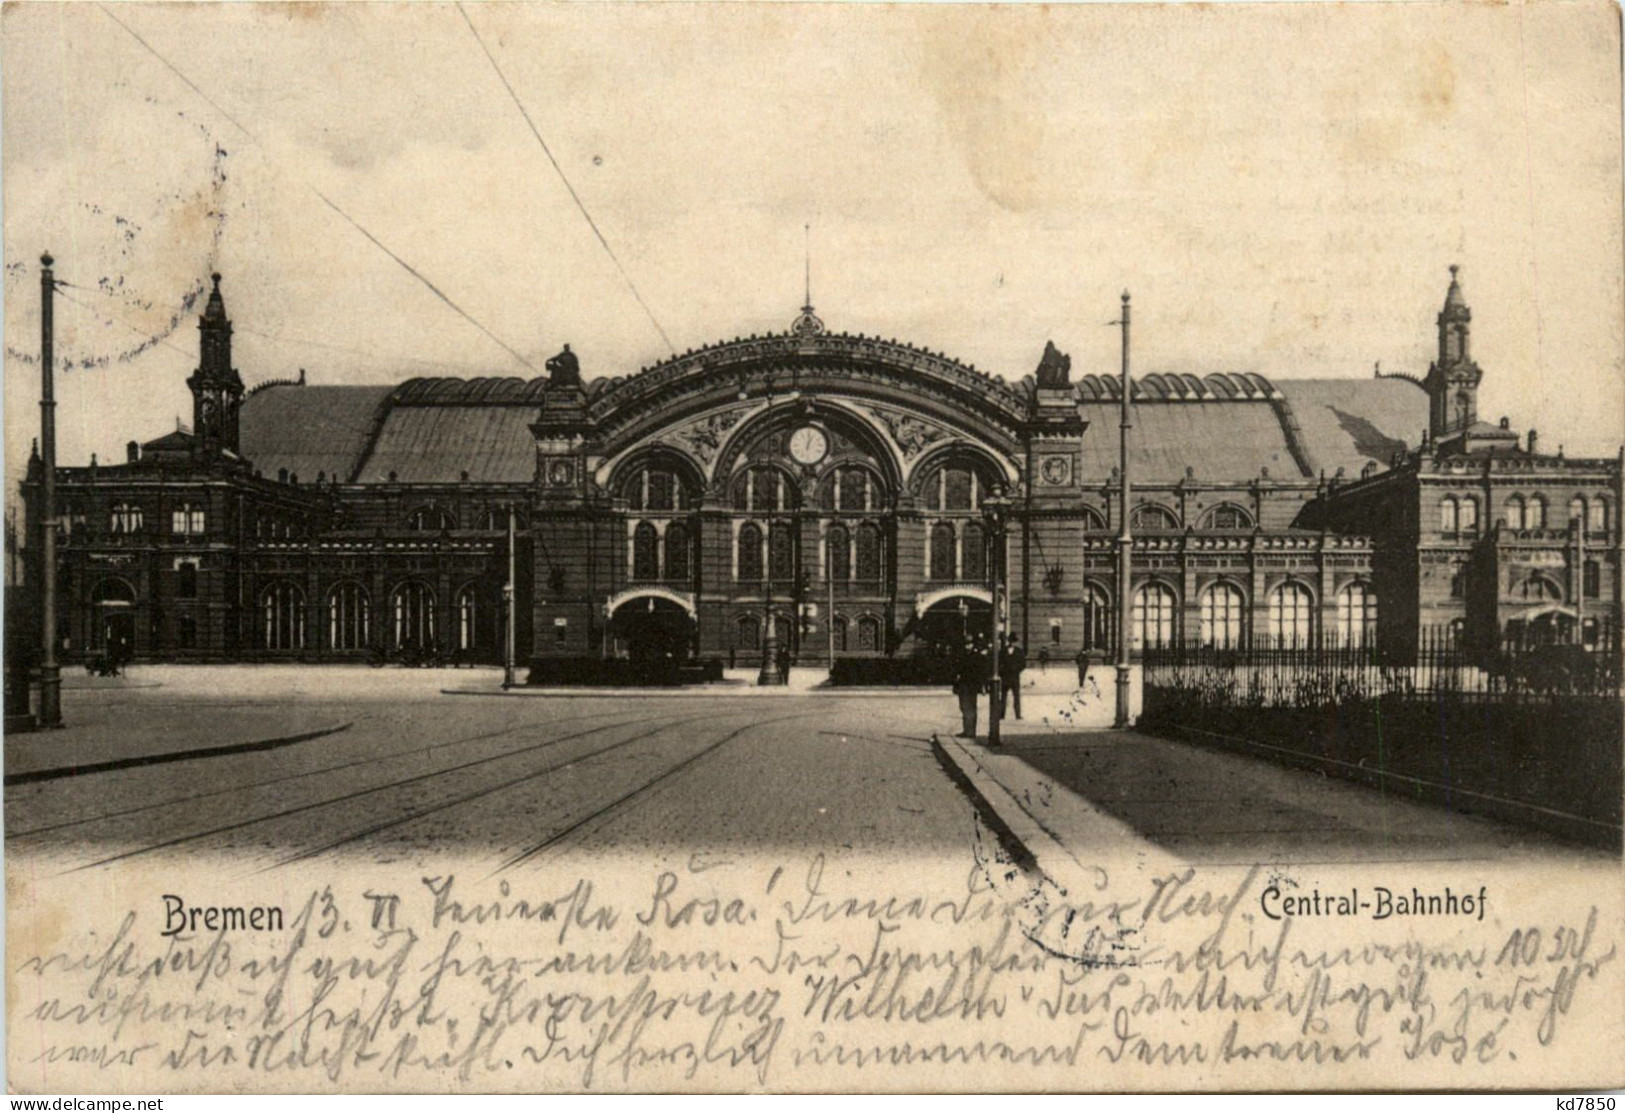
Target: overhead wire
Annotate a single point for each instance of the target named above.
(558, 169)
(255, 139)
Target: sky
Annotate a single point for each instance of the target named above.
(1280, 187)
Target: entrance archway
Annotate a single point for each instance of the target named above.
(112, 627)
(650, 629)
(946, 623)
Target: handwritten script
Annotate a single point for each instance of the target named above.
(778, 975)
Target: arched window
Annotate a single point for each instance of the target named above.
(942, 551)
(1091, 519)
(1357, 616)
(781, 562)
(125, 518)
(1449, 515)
(840, 554)
(430, 518)
(1577, 511)
(677, 551)
(413, 610)
(1291, 617)
(1534, 515)
(187, 520)
(838, 632)
(973, 553)
(750, 553)
(1154, 517)
(1514, 514)
(868, 634)
(1153, 617)
(1599, 515)
(496, 518)
(1469, 514)
(468, 627)
(645, 552)
(1222, 615)
(347, 616)
(656, 488)
(954, 487)
(1537, 588)
(853, 490)
(759, 489)
(748, 632)
(1097, 618)
(1227, 516)
(868, 563)
(282, 616)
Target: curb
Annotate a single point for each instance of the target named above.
(175, 755)
(681, 693)
(1033, 844)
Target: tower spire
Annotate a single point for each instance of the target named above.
(807, 324)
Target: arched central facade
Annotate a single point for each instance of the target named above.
(827, 493)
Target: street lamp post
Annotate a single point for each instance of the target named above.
(769, 675)
(1125, 543)
(994, 509)
(50, 674)
(508, 594)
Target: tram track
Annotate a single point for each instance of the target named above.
(369, 791)
(663, 779)
(485, 736)
(489, 790)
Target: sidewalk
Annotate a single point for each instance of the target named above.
(735, 683)
(111, 734)
(1070, 799)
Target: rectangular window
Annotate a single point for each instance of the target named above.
(561, 628)
(1593, 579)
(186, 632)
(1055, 631)
(186, 579)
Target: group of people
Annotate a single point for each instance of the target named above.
(973, 675)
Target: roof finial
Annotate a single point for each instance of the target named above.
(807, 324)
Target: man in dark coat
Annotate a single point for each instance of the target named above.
(970, 673)
(1012, 663)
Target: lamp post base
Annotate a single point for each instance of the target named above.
(50, 698)
(995, 708)
(1121, 720)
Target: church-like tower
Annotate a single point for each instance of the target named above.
(1452, 380)
(217, 390)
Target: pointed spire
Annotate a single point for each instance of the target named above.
(216, 309)
(1453, 300)
(807, 324)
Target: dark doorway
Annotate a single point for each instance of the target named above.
(653, 630)
(947, 624)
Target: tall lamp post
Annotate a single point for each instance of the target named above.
(508, 594)
(1125, 543)
(769, 675)
(995, 509)
(50, 674)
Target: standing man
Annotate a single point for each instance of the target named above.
(1012, 663)
(970, 672)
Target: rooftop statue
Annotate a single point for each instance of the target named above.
(564, 369)
(1055, 369)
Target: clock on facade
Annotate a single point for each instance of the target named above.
(1057, 470)
(808, 445)
(560, 472)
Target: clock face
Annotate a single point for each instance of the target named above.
(1057, 470)
(559, 473)
(808, 445)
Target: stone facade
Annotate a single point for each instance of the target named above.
(837, 486)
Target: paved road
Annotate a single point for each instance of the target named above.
(512, 782)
